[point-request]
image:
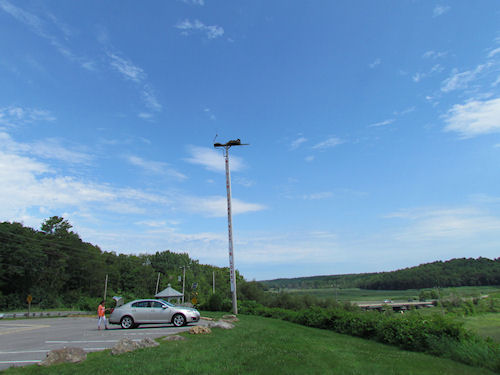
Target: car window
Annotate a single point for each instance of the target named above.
(142, 304)
(156, 304)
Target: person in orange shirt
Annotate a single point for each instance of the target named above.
(101, 313)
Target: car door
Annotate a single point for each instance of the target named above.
(159, 312)
(141, 311)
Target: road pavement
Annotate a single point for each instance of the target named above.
(27, 341)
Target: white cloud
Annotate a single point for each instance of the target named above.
(318, 196)
(382, 123)
(211, 32)
(194, 2)
(213, 160)
(145, 115)
(434, 55)
(27, 184)
(440, 10)
(461, 80)
(150, 99)
(22, 16)
(417, 77)
(126, 68)
(216, 206)
(292, 247)
(309, 158)
(453, 224)
(209, 113)
(474, 118)
(375, 63)
(155, 167)
(243, 181)
(129, 71)
(50, 148)
(494, 52)
(16, 116)
(296, 143)
(485, 198)
(328, 143)
(40, 27)
(404, 111)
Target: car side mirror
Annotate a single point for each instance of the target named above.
(164, 307)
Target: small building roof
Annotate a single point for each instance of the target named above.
(168, 292)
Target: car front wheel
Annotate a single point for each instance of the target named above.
(127, 322)
(179, 320)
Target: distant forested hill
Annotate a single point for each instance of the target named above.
(452, 273)
(59, 269)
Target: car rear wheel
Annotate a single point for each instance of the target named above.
(127, 322)
(179, 320)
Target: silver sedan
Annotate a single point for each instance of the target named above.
(152, 311)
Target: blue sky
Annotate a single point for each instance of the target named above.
(373, 128)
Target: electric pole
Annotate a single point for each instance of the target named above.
(183, 282)
(232, 274)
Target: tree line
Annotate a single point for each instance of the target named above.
(451, 273)
(57, 269)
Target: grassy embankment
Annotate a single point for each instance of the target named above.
(263, 346)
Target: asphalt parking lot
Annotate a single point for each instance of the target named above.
(27, 341)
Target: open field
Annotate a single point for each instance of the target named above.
(263, 346)
(356, 294)
(365, 295)
(485, 325)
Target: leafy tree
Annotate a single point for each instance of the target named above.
(58, 226)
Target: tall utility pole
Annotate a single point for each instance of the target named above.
(106, 287)
(157, 282)
(183, 282)
(226, 147)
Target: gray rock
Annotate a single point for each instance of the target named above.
(124, 346)
(199, 330)
(127, 345)
(221, 324)
(147, 343)
(64, 355)
(230, 318)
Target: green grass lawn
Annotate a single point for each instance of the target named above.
(357, 295)
(263, 346)
(485, 325)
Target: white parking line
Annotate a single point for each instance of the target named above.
(26, 351)
(78, 342)
(48, 350)
(16, 328)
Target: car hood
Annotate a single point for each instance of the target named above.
(186, 308)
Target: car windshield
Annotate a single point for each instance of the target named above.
(167, 303)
